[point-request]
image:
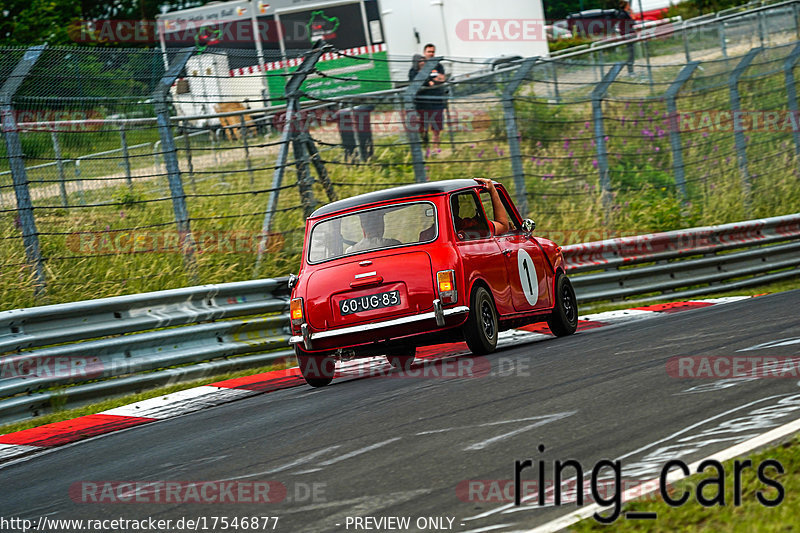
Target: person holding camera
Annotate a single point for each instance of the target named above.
(431, 99)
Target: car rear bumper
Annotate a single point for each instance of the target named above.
(439, 315)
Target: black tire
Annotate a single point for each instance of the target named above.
(402, 357)
(480, 329)
(317, 370)
(564, 320)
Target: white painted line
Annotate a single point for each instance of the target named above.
(553, 417)
(619, 316)
(359, 452)
(7, 451)
(351, 454)
(487, 528)
(180, 402)
(488, 442)
(302, 460)
(676, 475)
(723, 300)
(772, 344)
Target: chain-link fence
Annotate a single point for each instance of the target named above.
(119, 175)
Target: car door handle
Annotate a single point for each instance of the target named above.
(508, 251)
(366, 282)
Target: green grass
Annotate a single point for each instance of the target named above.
(750, 516)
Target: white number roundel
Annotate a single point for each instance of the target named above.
(527, 276)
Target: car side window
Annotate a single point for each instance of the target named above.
(486, 200)
(468, 218)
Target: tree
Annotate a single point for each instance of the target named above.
(58, 22)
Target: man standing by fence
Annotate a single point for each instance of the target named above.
(431, 100)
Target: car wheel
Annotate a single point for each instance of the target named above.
(402, 357)
(564, 320)
(317, 370)
(480, 330)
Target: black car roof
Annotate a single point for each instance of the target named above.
(405, 191)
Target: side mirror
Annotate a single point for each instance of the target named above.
(293, 278)
(528, 226)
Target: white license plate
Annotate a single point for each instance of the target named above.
(368, 303)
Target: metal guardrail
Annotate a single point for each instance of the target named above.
(126, 343)
(684, 259)
(81, 351)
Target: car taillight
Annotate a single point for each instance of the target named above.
(446, 284)
(296, 311)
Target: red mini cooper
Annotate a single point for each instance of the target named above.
(388, 271)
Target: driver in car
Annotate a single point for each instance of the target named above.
(373, 227)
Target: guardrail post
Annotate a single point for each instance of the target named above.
(411, 111)
(60, 165)
(598, 93)
(791, 91)
(741, 144)
(171, 160)
(674, 121)
(512, 132)
(761, 31)
(16, 160)
(290, 132)
(246, 148)
(126, 161)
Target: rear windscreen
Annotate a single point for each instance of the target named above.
(373, 229)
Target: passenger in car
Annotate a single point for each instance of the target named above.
(373, 227)
(501, 224)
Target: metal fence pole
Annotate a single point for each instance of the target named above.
(723, 42)
(761, 30)
(598, 93)
(418, 161)
(60, 165)
(212, 139)
(246, 148)
(319, 166)
(741, 144)
(674, 130)
(292, 95)
(646, 53)
(171, 161)
(449, 121)
(686, 43)
(791, 91)
(512, 132)
(79, 181)
(16, 160)
(188, 145)
(126, 161)
(796, 15)
(304, 179)
(554, 73)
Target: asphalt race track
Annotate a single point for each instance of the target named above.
(436, 447)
